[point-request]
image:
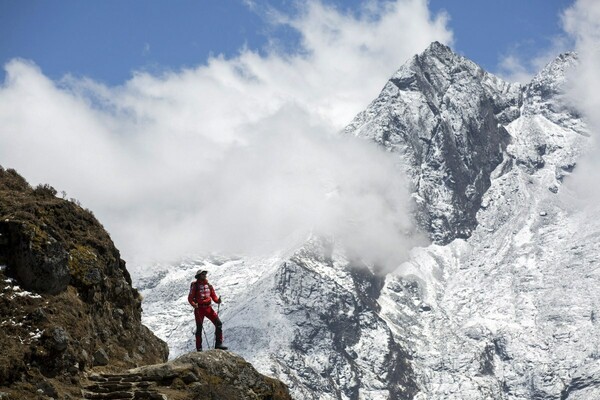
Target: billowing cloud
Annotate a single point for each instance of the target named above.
(582, 23)
(239, 154)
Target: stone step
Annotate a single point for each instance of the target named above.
(116, 386)
(107, 396)
(135, 394)
(109, 387)
(149, 395)
(115, 377)
(120, 386)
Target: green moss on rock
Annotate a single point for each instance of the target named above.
(84, 265)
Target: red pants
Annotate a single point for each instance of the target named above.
(209, 313)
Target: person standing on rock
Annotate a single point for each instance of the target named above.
(201, 295)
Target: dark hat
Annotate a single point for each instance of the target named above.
(200, 272)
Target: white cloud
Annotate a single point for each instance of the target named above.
(513, 69)
(238, 154)
(582, 22)
(514, 66)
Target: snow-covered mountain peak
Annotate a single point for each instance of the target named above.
(551, 79)
(445, 118)
(443, 68)
(436, 69)
(503, 306)
(547, 94)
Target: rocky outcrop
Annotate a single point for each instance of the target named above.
(66, 302)
(212, 374)
(215, 374)
(43, 268)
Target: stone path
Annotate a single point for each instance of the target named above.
(121, 386)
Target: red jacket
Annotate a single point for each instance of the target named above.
(201, 293)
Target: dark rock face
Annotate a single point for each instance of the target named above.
(443, 114)
(333, 316)
(42, 268)
(583, 385)
(67, 302)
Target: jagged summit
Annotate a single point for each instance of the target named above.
(554, 75)
(448, 118)
(445, 116)
(444, 61)
(545, 95)
(438, 47)
(437, 58)
(440, 51)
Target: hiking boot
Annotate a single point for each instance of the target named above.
(220, 346)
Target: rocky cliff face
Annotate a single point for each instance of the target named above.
(502, 306)
(445, 117)
(66, 302)
(309, 317)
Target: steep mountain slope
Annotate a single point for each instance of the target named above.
(513, 307)
(66, 303)
(501, 307)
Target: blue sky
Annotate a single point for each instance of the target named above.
(485, 31)
(107, 40)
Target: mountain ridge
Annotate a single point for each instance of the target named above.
(476, 315)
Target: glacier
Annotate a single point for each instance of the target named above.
(502, 305)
